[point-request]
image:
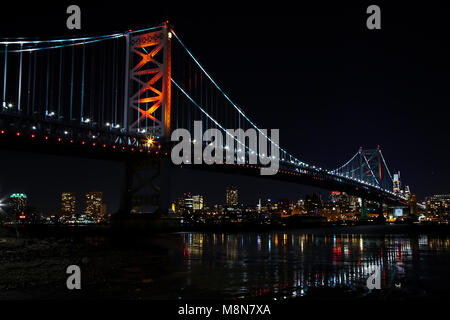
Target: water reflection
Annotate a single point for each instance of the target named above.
(283, 265)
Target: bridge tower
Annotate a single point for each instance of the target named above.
(147, 110)
(372, 169)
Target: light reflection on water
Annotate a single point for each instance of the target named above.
(288, 264)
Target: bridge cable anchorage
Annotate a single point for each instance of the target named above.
(296, 161)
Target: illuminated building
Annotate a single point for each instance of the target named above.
(18, 203)
(343, 202)
(438, 205)
(313, 203)
(103, 210)
(185, 204)
(232, 196)
(407, 193)
(178, 205)
(266, 206)
(68, 204)
(197, 202)
(397, 184)
(283, 205)
(94, 204)
(413, 205)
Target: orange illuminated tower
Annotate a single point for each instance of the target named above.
(148, 82)
(147, 110)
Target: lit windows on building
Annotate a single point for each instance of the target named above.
(68, 204)
(232, 196)
(438, 205)
(18, 202)
(197, 202)
(397, 184)
(94, 204)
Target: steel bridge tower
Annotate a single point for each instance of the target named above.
(147, 110)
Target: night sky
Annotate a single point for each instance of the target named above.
(313, 71)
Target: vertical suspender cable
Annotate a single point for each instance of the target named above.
(34, 83)
(47, 82)
(114, 87)
(201, 98)
(4, 75)
(60, 81)
(102, 111)
(29, 83)
(71, 82)
(82, 84)
(207, 104)
(20, 78)
(93, 79)
(126, 82)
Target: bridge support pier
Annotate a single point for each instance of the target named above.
(380, 218)
(144, 195)
(363, 216)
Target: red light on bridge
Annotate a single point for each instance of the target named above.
(82, 142)
(71, 141)
(93, 144)
(104, 146)
(46, 137)
(3, 131)
(33, 136)
(59, 139)
(114, 147)
(18, 134)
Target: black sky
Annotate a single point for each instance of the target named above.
(313, 71)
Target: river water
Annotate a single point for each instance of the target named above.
(333, 263)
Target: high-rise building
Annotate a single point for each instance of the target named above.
(232, 196)
(185, 204)
(68, 204)
(438, 205)
(407, 193)
(313, 203)
(94, 204)
(283, 205)
(18, 203)
(397, 184)
(103, 211)
(413, 205)
(197, 202)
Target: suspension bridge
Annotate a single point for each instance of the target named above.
(119, 97)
